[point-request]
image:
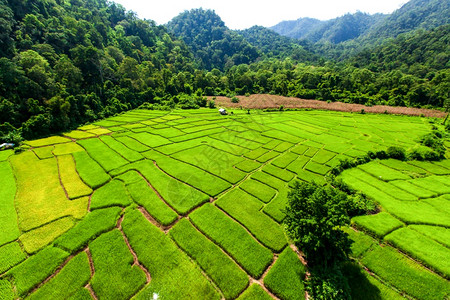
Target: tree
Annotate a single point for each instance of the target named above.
(313, 217)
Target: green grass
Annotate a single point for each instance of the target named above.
(379, 224)
(124, 151)
(72, 277)
(254, 292)
(144, 195)
(5, 154)
(36, 268)
(246, 210)
(259, 190)
(439, 234)
(381, 185)
(10, 255)
(150, 140)
(267, 156)
(297, 165)
(364, 286)
(47, 141)
(403, 166)
(113, 193)
(217, 162)
(299, 149)
(431, 183)
(422, 248)
(233, 238)
(361, 242)
(70, 179)
(66, 148)
(174, 276)
(220, 268)
(416, 190)
(129, 177)
(317, 168)
(275, 208)
(284, 160)
(40, 197)
(323, 156)
(44, 152)
(430, 167)
(256, 153)
(102, 154)
(115, 275)
(178, 195)
(132, 143)
(383, 172)
(8, 215)
(6, 291)
(38, 238)
(285, 278)
(248, 165)
(282, 147)
(89, 170)
(202, 180)
(78, 134)
(94, 224)
(278, 173)
(405, 275)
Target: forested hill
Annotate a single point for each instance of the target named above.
(213, 44)
(415, 14)
(67, 62)
(347, 27)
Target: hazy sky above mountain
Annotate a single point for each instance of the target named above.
(241, 14)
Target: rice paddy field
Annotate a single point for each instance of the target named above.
(189, 205)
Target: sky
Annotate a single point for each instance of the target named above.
(241, 14)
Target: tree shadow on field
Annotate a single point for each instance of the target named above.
(360, 286)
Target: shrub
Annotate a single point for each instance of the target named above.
(235, 99)
(211, 104)
(396, 152)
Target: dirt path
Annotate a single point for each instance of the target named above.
(273, 101)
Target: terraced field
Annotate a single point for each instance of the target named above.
(189, 205)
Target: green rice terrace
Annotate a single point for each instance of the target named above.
(189, 204)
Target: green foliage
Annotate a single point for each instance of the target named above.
(329, 284)
(313, 217)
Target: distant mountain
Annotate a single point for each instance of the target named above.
(214, 45)
(415, 14)
(347, 27)
(297, 29)
(273, 44)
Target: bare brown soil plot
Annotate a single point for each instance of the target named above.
(264, 101)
